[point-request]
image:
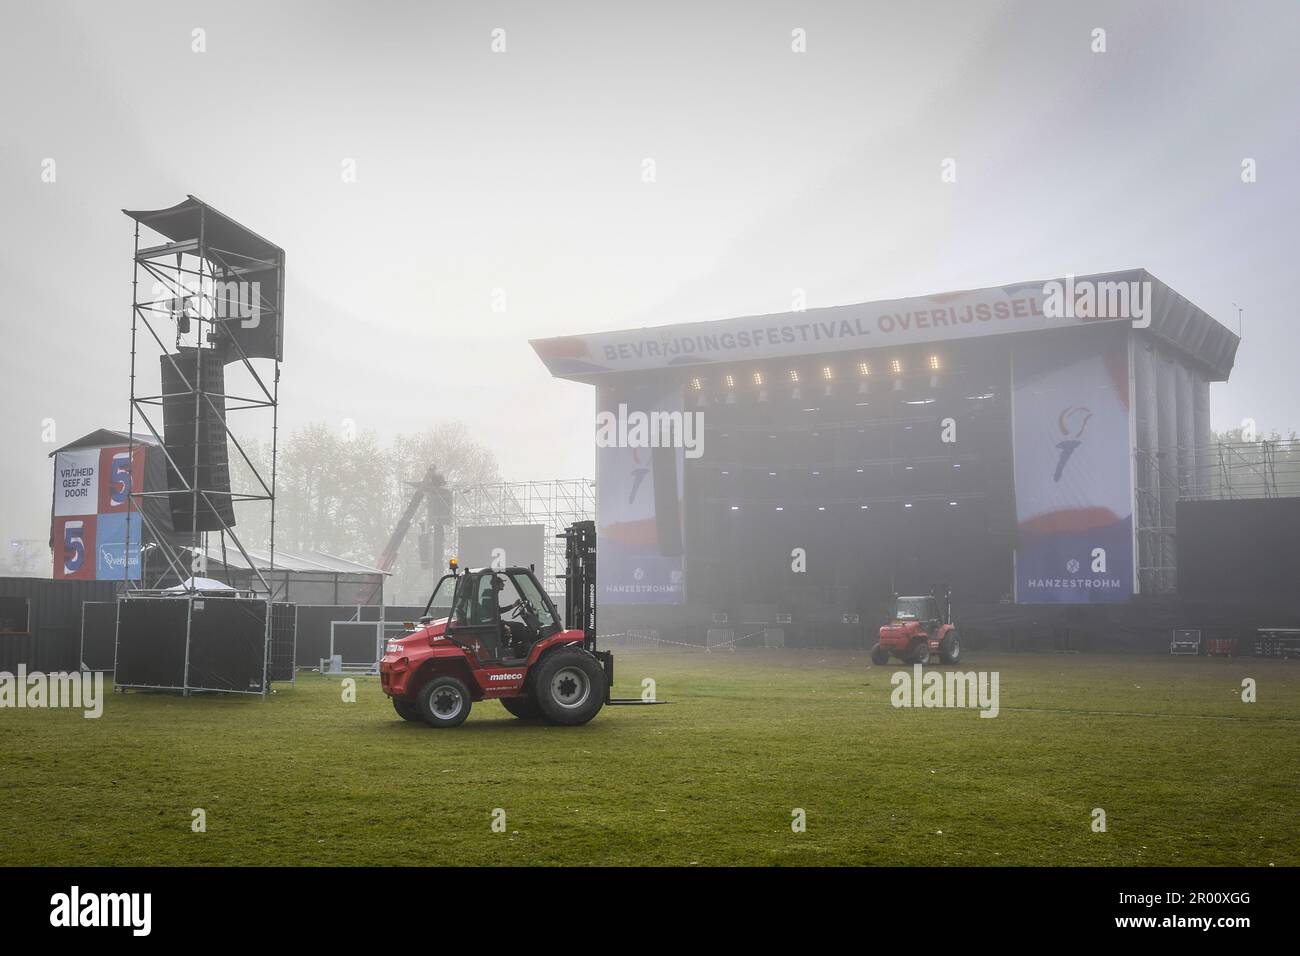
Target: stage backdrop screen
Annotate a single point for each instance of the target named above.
(90, 530)
(1073, 475)
(503, 546)
(639, 552)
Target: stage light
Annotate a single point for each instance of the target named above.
(735, 507)
(934, 363)
(863, 507)
(908, 505)
(794, 376)
(860, 470)
(758, 379)
(779, 508)
(771, 474)
(896, 366)
(864, 369)
(952, 504)
(828, 373)
(730, 381)
(821, 507)
(817, 474)
(696, 384)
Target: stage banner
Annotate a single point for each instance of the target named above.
(116, 480)
(639, 480)
(74, 547)
(1074, 489)
(91, 489)
(76, 482)
(111, 551)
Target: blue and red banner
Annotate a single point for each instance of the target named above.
(1073, 472)
(91, 526)
(639, 554)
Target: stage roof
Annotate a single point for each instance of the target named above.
(180, 223)
(997, 310)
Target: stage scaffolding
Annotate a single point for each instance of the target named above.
(555, 504)
(182, 293)
(1267, 468)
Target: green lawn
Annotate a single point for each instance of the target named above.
(1185, 771)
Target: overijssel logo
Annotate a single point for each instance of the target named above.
(638, 429)
(81, 690)
(946, 689)
(1071, 422)
(74, 908)
(1085, 299)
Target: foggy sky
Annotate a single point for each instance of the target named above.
(522, 172)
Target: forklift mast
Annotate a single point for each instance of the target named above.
(580, 580)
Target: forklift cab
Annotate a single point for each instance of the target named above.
(924, 609)
(498, 615)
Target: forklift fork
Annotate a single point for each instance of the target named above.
(606, 659)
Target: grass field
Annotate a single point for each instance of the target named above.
(1186, 772)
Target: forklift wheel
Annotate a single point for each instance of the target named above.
(879, 655)
(525, 708)
(950, 648)
(921, 651)
(443, 701)
(569, 687)
(406, 709)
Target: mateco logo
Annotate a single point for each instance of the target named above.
(626, 429)
(505, 677)
(1085, 299)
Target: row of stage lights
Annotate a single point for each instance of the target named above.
(896, 366)
(906, 506)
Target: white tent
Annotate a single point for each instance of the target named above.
(202, 584)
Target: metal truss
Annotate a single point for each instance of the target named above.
(555, 504)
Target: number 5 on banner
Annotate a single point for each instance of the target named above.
(120, 479)
(74, 547)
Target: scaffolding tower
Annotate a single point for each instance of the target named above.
(213, 290)
(555, 504)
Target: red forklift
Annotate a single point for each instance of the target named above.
(919, 630)
(494, 634)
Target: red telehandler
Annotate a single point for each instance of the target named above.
(493, 633)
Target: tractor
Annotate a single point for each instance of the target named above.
(494, 634)
(918, 631)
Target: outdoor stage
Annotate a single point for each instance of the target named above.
(1025, 445)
